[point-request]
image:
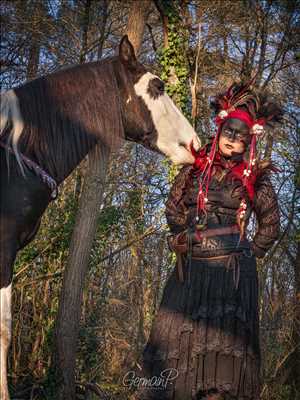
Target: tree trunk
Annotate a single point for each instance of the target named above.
(161, 6)
(85, 228)
(35, 43)
(73, 281)
(137, 22)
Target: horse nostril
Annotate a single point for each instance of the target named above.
(187, 146)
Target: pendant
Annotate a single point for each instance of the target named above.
(201, 222)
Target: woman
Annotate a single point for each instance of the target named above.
(204, 342)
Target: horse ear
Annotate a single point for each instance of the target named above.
(126, 52)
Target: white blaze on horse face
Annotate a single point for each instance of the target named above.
(5, 338)
(174, 131)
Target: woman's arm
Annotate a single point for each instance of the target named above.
(176, 211)
(267, 213)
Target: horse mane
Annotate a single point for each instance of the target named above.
(61, 116)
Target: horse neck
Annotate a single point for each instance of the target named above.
(59, 159)
(67, 113)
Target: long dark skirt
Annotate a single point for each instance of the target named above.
(205, 336)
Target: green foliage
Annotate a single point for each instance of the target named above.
(134, 208)
(108, 218)
(174, 67)
(53, 239)
(173, 61)
(105, 326)
(50, 384)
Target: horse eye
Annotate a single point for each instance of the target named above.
(156, 88)
(159, 85)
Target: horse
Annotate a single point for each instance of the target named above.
(49, 124)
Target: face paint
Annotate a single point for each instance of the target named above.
(234, 138)
(235, 130)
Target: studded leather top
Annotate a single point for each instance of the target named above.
(224, 196)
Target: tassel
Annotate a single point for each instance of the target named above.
(189, 256)
(205, 177)
(179, 267)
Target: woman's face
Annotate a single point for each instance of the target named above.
(234, 137)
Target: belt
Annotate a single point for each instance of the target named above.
(227, 230)
(182, 243)
(179, 242)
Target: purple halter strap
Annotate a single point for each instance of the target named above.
(46, 178)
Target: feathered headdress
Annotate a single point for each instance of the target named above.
(256, 111)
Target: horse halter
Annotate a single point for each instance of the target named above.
(42, 174)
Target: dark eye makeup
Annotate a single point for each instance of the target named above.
(235, 129)
(242, 135)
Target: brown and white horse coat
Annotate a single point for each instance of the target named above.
(55, 120)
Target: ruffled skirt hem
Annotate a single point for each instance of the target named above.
(205, 336)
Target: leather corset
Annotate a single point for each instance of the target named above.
(224, 197)
(223, 202)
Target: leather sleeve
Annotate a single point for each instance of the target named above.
(267, 213)
(176, 210)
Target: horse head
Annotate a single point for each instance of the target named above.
(52, 122)
(149, 115)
